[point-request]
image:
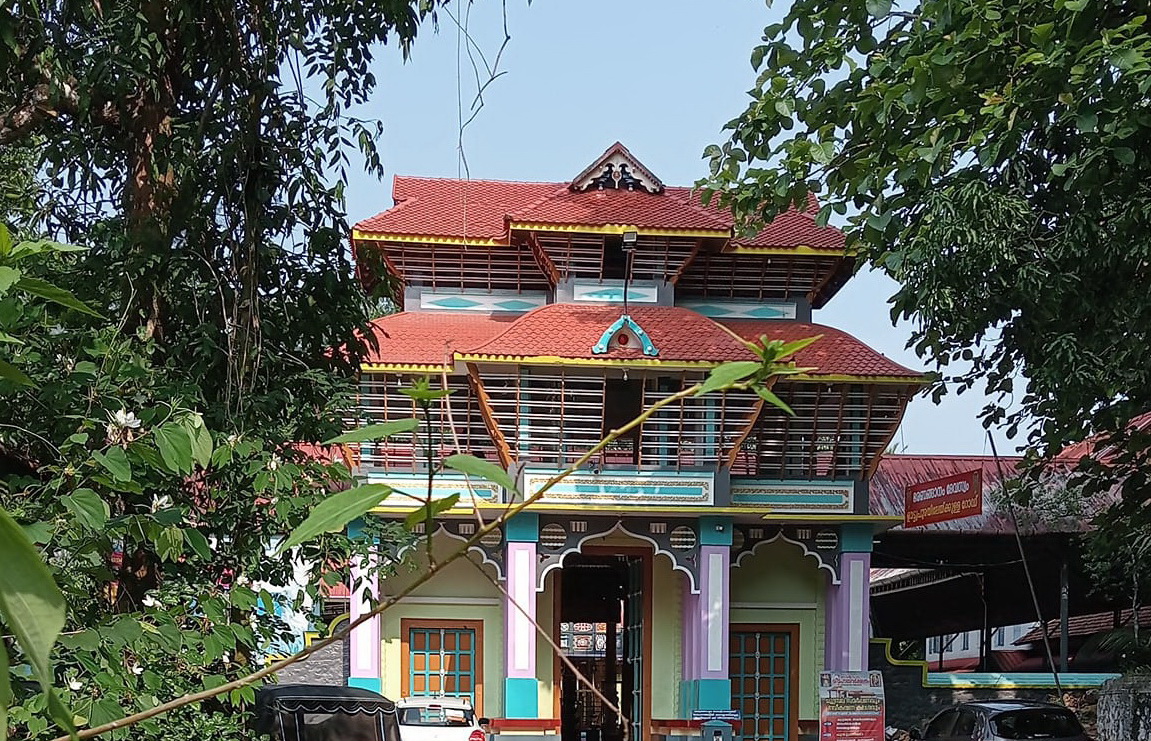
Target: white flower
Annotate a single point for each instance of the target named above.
(137, 670)
(274, 462)
(75, 685)
(159, 503)
(123, 418)
(150, 601)
(226, 657)
(121, 426)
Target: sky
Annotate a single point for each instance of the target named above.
(661, 76)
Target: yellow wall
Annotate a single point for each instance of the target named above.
(545, 656)
(779, 585)
(480, 601)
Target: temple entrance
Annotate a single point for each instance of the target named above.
(601, 629)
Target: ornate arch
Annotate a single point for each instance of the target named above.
(822, 544)
(490, 549)
(560, 537)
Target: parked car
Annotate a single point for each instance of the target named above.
(1005, 720)
(439, 719)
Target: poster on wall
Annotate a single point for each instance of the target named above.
(851, 706)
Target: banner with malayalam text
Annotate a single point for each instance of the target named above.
(851, 706)
(949, 498)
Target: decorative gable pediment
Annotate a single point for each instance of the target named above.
(617, 169)
(625, 334)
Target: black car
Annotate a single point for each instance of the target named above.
(1003, 720)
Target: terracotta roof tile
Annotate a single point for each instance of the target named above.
(837, 353)
(570, 331)
(666, 210)
(430, 338)
(482, 209)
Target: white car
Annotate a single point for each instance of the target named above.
(439, 719)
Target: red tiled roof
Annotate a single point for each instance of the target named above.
(570, 331)
(483, 209)
(1098, 447)
(836, 353)
(1080, 626)
(672, 209)
(430, 338)
(442, 207)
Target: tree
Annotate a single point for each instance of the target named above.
(198, 151)
(996, 158)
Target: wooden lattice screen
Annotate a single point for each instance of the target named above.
(837, 431)
(454, 417)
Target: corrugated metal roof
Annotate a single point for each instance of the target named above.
(896, 472)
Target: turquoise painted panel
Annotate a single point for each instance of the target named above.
(713, 694)
(523, 528)
(516, 305)
(521, 697)
(453, 302)
(995, 680)
(767, 312)
(798, 500)
(715, 530)
(856, 537)
(375, 684)
(625, 488)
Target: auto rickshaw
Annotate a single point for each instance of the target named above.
(314, 712)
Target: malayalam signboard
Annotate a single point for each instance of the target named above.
(950, 498)
(851, 706)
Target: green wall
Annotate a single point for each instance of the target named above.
(779, 585)
(482, 601)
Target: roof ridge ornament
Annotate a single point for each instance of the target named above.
(617, 169)
(620, 334)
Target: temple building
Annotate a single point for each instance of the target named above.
(713, 560)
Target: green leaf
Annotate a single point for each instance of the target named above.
(30, 602)
(201, 440)
(8, 278)
(13, 374)
(198, 543)
(878, 8)
(47, 291)
(5, 691)
(175, 447)
(335, 512)
(727, 374)
(115, 462)
(769, 396)
(89, 509)
(473, 466)
(368, 433)
(428, 511)
(170, 543)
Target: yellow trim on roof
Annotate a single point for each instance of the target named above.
(426, 239)
(800, 249)
(920, 379)
(589, 362)
(622, 363)
(464, 507)
(619, 229)
(404, 368)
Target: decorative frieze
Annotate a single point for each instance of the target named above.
(638, 488)
(795, 497)
(742, 310)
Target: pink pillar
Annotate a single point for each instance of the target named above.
(521, 634)
(364, 642)
(849, 615)
(706, 633)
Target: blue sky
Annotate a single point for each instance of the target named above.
(662, 76)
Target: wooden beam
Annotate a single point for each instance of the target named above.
(687, 262)
(747, 428)
(874, 463)
(818, 287)
(502, 449)
(543, 259)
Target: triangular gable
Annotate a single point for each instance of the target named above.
(617, 169)
(624, 332)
